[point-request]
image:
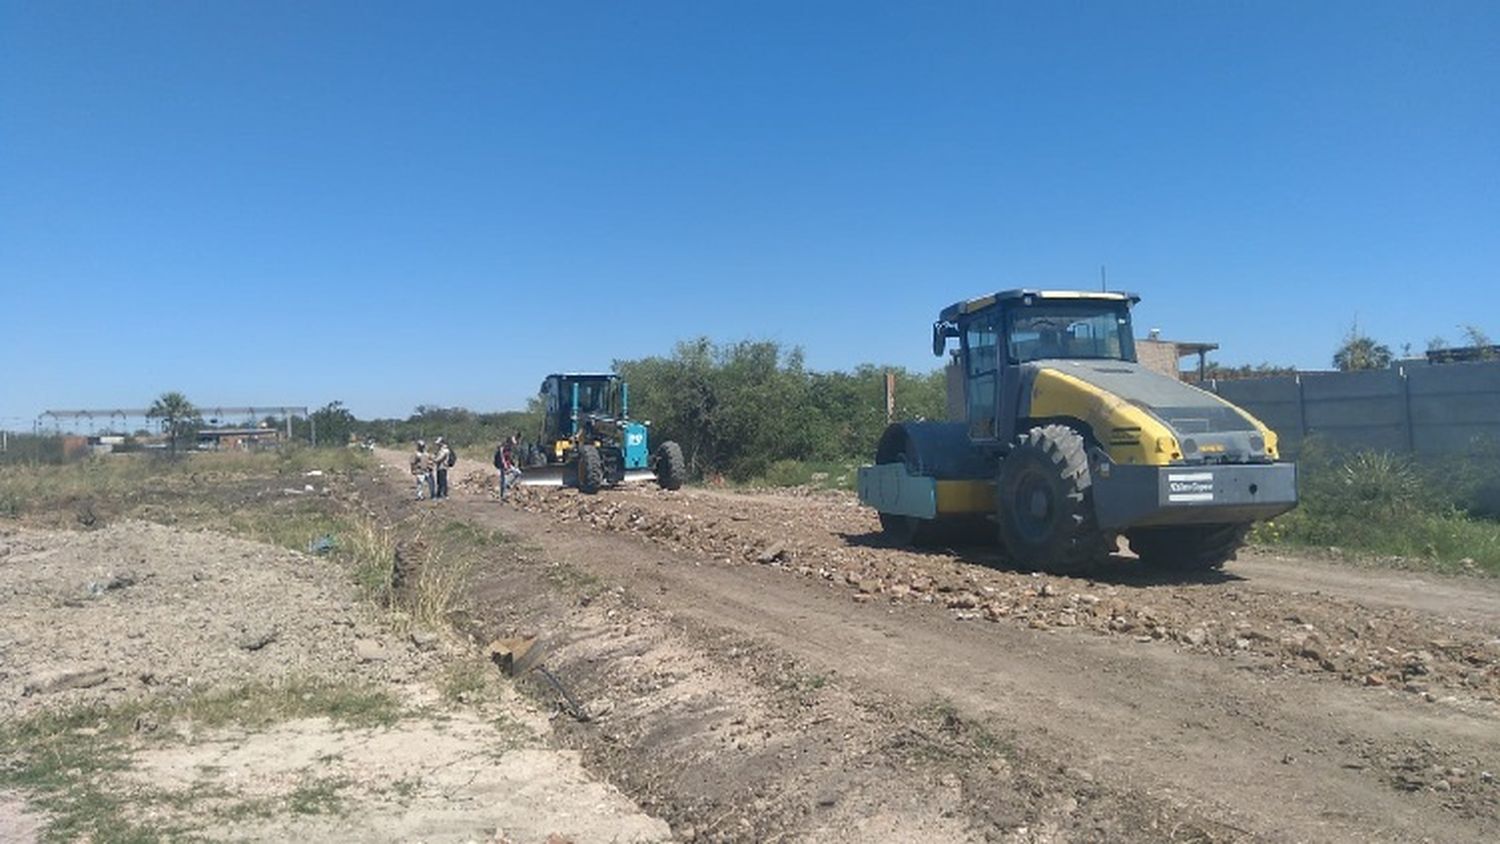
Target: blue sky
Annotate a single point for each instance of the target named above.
(395, 204)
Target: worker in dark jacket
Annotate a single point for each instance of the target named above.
(505, 463)
(442, 460)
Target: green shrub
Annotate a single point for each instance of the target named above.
(1377, 484)
(817, 474)
(1387, 504)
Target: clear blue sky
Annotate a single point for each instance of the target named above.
(394, 204)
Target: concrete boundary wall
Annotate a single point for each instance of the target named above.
(1420, 409)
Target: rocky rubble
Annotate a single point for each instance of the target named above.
(828, 537)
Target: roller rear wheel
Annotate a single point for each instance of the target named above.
(1044, 503)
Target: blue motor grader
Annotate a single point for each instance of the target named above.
(589, 441)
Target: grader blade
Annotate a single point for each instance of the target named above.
(555, 475)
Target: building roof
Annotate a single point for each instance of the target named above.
(1463, 354)
(1185, 348)
(238, 432)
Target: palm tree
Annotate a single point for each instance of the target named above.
(177, 415)
(1361, 352)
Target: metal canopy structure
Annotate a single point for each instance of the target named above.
(1201, 350)
(213, 413)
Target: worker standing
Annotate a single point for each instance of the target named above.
(421, 469)
(505, 461)
(441, 462)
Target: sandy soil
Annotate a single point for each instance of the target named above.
(137, 612)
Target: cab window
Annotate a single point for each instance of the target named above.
(982, 357)
(1069, 330)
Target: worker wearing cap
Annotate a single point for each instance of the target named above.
(440, 467)
(421, 469)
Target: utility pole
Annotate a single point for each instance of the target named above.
(1102, 288)
(890, 397)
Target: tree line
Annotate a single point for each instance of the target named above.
(737, 408)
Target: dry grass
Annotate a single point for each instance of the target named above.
(417, 570)
(438, 587)
(369, 549)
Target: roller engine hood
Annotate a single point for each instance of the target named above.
(1142, 416)
(1186, 409)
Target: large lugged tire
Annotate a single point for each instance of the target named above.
(1188, 547)
(1044, 504)
(590, 469)
(536, 457)
(671, 468)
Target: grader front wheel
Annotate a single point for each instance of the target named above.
(671, 468)
(590, 469)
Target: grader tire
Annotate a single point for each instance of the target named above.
(1045, 506)
(536, 457)
(1188, 548)
(590, 469)
(671, 467)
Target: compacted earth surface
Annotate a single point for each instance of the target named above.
(773, 669)
(709, 665)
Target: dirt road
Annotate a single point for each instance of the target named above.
(772, 669)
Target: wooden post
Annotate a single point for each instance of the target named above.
(890, 397)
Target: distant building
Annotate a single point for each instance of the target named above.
(237, 439)
(1165, 356)
(1463, 354)
(106, 443)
